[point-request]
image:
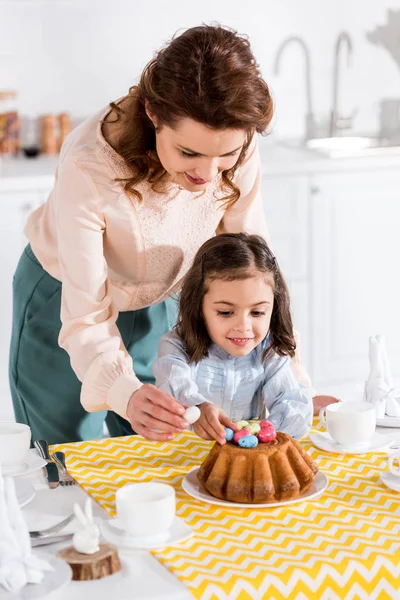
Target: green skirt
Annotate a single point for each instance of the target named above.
(44, 388)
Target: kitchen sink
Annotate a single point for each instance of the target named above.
(340, 147)
(345, 146)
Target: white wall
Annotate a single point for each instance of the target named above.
(77, 55)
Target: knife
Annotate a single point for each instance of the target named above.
(51, 539)
(50, 470)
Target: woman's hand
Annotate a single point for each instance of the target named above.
(210, 425)
(154, 414)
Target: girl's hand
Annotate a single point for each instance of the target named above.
(154, 414)
(322, 401)
(210, 425)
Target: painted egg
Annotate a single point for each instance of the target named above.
(239, 434)
(265, 436)
(242, 424)
(248, 441)
(266, 425)
(254, 428)
(228, 434)
(191, 414)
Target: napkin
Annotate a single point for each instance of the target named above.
(379, 389)
(18, 566)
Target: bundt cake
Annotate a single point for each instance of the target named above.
(271, 472)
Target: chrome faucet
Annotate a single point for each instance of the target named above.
(336, 122)
(310, 119)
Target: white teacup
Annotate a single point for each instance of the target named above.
(15, 439)
(146, 509)
(392, 460)
(350, 424)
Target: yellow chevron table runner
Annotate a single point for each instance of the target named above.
(344, 545)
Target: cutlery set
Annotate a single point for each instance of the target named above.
(50, 535)
(55, 471)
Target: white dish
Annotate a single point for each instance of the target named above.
(113, 531)
(392, 481)
(52, 580)
(193, 487)
(388, 422)
(25, 491)
(323, 441)
(32, 463)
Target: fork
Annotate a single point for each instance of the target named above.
(53, 529)
(65, 477)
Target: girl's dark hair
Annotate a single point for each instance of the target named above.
(207, 74)
(231, 256)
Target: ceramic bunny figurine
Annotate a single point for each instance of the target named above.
(86, 541)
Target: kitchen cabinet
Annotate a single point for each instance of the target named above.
(336, 238)
(15, 205)
(286, 204)
(355, 285)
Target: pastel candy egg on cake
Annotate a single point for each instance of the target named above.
(242, 424)
(248, 441)
(264, 424)
(254, 428)
(229, 434)
(239, 434)
(267, 432)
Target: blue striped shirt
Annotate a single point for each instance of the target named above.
(242, 386)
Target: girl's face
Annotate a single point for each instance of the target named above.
(193, 154)
(238, 313)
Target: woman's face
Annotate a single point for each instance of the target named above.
(193, 154)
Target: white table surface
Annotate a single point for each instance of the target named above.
(142, 576)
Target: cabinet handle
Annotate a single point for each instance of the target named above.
(314, 190)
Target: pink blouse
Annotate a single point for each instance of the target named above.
(113, 253)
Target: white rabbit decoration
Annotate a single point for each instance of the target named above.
(86, 541)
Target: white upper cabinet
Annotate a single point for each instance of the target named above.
(355, 285)
(286, 204)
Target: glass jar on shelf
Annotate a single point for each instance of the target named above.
(30, 136)
(9, 123)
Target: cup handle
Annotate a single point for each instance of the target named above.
(392, 468)
(322, 416)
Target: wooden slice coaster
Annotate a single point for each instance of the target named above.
(86, 567)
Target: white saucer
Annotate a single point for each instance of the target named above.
(52, 580)
(388, 422)
(32, 463)
(113, 532)
(25, 491)
(193, 487)
(392, 481)
(323, 441)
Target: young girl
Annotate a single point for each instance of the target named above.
(230, 351)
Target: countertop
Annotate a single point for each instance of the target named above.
(278, 158)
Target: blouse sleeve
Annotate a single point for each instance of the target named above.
(173, 373)
(89, 333)
(247, 214)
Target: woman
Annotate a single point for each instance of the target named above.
(139, 187)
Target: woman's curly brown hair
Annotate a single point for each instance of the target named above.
(208, 74)
(232, 256)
